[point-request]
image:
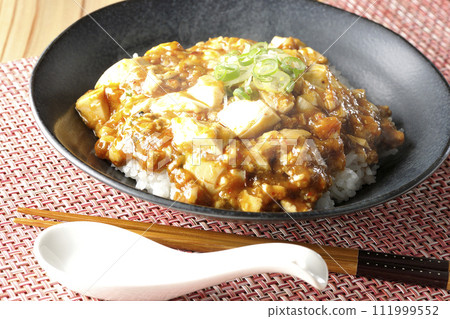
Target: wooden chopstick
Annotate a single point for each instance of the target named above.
(423, 271)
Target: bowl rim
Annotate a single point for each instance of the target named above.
(212, 213)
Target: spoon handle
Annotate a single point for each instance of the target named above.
(284, 258)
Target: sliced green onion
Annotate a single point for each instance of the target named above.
(279, 51)
(249, 56)
(294, 73)
(241, 94)
(264, 78)
(226, 72)
(260, 45)
(243, 76)
(261, 85)
(269, 69)
(290, 87)
(258, 48)
(279, 83)
(246, 59)
(294, 62)
(282, 80)
(293, 66)
(257, 51)
(265, 68)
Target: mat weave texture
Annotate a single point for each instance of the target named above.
(34, 175)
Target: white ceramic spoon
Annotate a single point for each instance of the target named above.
(112, 263)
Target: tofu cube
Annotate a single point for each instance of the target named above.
(249, 203)
(248, 118)
(189, 133)
(135, 74)
(208, 90)
(177, 102)
(93, 108)
(207, 172)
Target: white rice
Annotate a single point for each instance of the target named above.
(325, 201)
(156, 183)
(356, 174)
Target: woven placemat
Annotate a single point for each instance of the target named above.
(34, 175)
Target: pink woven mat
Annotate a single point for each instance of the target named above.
(34, 175)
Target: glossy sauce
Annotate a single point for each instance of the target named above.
(254, 174)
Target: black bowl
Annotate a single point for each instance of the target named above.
(370, 56)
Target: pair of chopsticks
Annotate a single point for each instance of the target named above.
(415, 270)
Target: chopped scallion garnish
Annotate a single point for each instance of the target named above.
(265, 68)
(270, 69)
(246, 59)
(290, 87)
(241, 94)
(226, 72)
(259, 45)
(292, 66)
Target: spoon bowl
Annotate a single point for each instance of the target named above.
(109, 262)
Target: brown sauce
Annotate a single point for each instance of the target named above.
(251, 174)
